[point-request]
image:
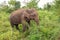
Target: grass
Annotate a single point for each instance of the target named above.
(49, 28)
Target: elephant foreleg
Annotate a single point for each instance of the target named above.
(17, 26)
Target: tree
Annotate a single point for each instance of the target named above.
(47, 6)
(57, 6)
(3, 6)
(33, 4)
(15, 4)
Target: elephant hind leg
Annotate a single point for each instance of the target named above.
(12, 25)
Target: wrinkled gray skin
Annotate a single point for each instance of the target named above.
(21, 16)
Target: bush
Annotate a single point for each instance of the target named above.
(49, 28)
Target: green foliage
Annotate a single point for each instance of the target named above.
(15, 4)
(33, 4)
(49, 28)
(57, 3)
(47, 6)
(12, 2)
(57, 8)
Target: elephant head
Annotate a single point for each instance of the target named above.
(33, 15)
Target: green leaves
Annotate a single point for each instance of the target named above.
(32, 4)
(49, 28)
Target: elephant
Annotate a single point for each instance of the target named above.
(21, 16)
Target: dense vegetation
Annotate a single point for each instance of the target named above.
(48, 29)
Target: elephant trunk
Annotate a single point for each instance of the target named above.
(37, 21)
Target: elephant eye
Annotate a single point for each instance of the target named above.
(25, 17)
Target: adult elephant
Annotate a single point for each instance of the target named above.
(21, 16)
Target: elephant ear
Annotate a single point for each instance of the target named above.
(26, 15)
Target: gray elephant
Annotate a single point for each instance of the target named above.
(21, 16)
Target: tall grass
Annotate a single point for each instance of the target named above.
(49, 28)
